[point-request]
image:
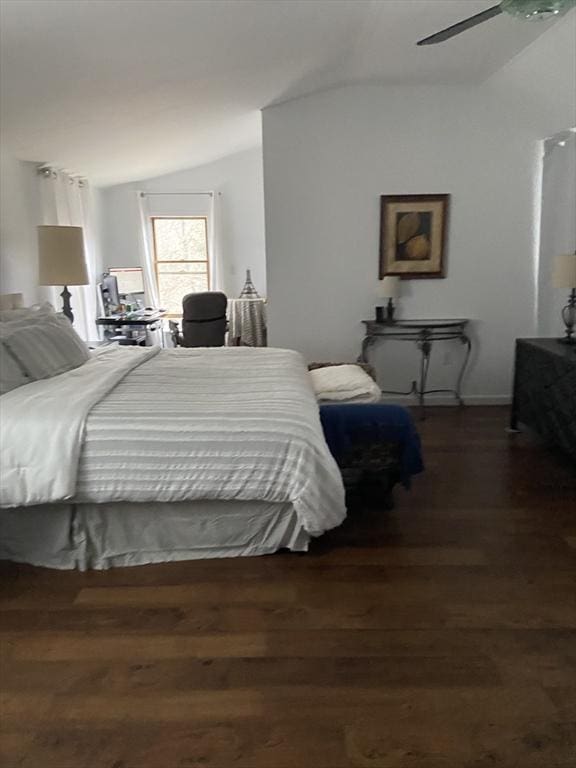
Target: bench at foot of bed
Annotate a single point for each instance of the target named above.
(375, 445)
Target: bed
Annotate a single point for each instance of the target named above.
(143, 455)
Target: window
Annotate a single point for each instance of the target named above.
(180, 259)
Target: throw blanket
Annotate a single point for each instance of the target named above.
(42, 427)
(186, 424)
(346, 426)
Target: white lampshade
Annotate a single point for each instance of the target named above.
(61, 256)
(389, 287)
(11, 301)
(564, 275)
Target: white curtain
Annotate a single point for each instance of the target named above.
(145, 242)
(67, 201)
(557, 226)
(217, 266)
(181, 204)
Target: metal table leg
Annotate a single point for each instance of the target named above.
(465, 340)
(425, 346)
(367, 342)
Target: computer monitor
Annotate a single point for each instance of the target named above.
(109, 294)
(130, 279)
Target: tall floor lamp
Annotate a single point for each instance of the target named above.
(62, 260)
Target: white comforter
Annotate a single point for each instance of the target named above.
(173, 425)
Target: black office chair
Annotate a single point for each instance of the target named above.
(204, 320)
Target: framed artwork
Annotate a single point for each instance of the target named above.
(413, 234)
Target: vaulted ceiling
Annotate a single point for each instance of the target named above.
(124, 89)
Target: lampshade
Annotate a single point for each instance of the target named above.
(11, 301)
(61, 256)
(389, 287)
(564, 275)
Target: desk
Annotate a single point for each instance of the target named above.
(424, 333)
(140, 329)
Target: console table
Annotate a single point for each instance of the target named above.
(545, 391)
(424, 333)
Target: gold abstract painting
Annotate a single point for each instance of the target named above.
(413, 233)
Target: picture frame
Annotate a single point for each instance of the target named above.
(413, 235)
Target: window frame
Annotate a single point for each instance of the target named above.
(157, 261)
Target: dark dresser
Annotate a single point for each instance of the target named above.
(544, 396)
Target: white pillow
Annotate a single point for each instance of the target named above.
(345, 382)
(11, 374)
(33, 313)
(46, 347)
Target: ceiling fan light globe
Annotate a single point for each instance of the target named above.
(536, 10)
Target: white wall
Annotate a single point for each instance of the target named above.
(238, 178)
(328, 158)
(540, 82)
(19, 215)
(558, 227)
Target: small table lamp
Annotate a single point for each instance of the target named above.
(388, 288)
(564, 276)
(62, 260)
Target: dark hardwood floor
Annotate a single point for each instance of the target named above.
(439, 635)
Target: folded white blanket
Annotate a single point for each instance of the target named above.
(42, 426)
(345, 383)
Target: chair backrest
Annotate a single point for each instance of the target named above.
(204, 319)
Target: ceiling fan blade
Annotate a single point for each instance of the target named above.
(462, 26)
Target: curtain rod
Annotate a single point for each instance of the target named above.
(147, 194)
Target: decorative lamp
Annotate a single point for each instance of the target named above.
(388, 288)
(249, 291)
(564, 276)
(62, 260)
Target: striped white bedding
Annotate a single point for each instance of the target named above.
(191, 424)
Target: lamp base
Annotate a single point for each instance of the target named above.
(390, 309)
(386, 314)
(66, 308)
(569, 319)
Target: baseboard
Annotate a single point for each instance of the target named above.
(449, 400)
(488, 400)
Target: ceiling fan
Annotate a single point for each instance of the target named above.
(532, 10)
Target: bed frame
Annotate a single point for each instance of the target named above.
(101, 536)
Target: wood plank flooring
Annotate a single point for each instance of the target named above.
(439, 635)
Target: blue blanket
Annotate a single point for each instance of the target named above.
(348, 425)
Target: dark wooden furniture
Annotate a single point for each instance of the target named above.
(424, 333)
(545, 391)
